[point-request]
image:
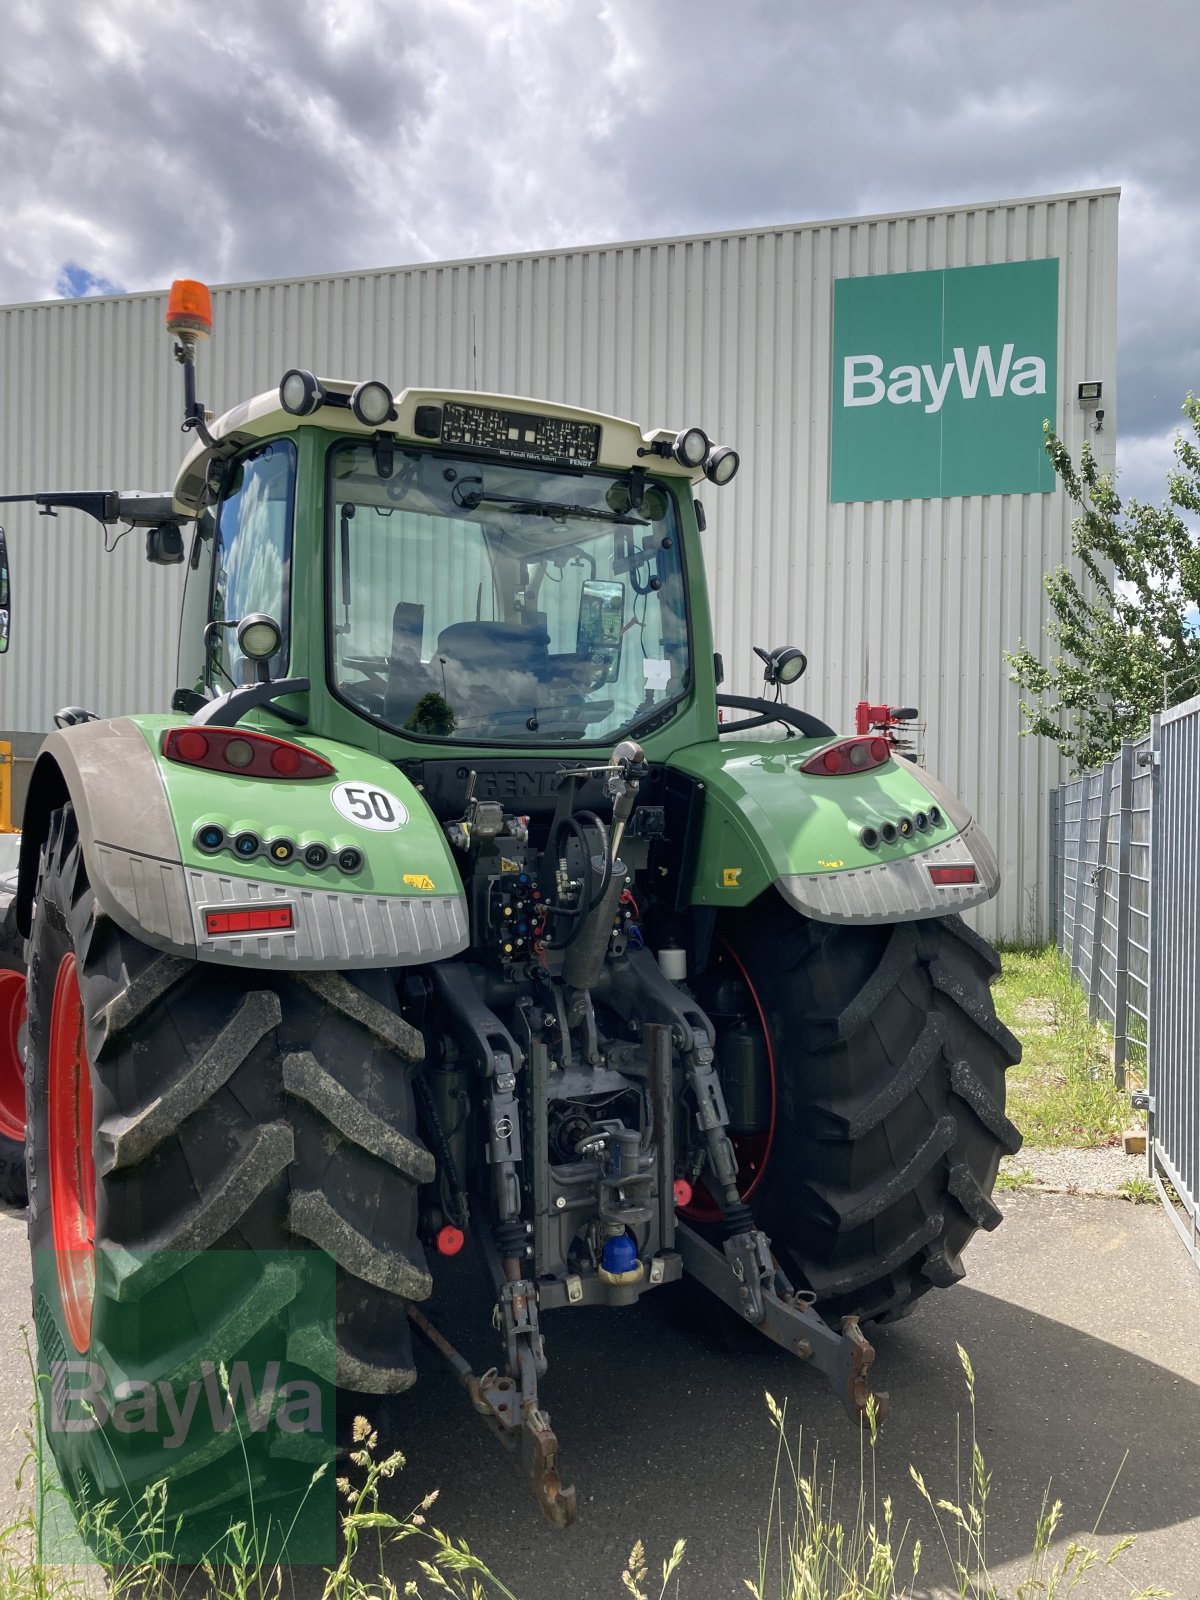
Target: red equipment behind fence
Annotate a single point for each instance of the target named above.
(895, 723)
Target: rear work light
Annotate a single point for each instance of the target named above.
(848, 755)
(259, 919)
(944, 877)
(249, 755)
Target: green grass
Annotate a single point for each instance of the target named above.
(1140, 1189)
(1063, 1092)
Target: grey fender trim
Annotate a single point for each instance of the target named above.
(901, 890)
(111, 778)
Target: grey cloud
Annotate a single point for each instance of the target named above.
(146, 139)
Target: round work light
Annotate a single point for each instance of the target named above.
(786, 665)
(259, 636)
(691, 447)
(371, 403)
(722, 465)
(299, 392)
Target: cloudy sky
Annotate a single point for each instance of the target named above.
(144, 139)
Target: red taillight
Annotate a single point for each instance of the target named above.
(191, 746)
(249, 755)
(945, 876)
(848, 755)
(264, 919)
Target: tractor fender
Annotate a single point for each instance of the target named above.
(131, 816)
(762, 820)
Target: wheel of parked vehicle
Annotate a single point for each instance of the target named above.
(888, 1062)
(203, 1140)
(12, 1071)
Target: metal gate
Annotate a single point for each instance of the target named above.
(1174, 1080)
(1125, 911)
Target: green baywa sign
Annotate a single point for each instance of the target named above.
(942, 380)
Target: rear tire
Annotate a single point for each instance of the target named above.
(245, 1127)
(890, 1124)
(12, 1029)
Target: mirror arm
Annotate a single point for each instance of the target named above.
(227, 710)
(772, 711)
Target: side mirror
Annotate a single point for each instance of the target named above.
(3, 592)
(601, 625)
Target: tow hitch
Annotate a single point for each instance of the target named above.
(748, 1279)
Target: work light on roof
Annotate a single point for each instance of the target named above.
(371, 403)
(299, 392)
(691, 447)
(721, 465)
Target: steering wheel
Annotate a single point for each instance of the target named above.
(771, 711)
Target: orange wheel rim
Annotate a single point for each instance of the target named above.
(72, 1168)
(12, 1075)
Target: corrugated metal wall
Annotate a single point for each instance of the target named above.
(907, 601)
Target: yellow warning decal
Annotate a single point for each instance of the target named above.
(509, 866)
(418, 880)
(730, 877)
(821, 863)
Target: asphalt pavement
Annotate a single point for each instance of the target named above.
(1082, 1319)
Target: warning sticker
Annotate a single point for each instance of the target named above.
(730, 877)
(418, 880)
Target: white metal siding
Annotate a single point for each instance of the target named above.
(907, 601)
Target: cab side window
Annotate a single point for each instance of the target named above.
(252, 556)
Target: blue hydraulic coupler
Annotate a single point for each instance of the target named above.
(619, 1254)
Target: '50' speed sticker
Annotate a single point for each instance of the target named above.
(368, 807)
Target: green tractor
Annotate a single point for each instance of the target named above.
(439, 908)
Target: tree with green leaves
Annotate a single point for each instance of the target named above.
(1127, 644)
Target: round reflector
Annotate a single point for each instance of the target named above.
(691, 447)
(450, 1240)
(683, 1192)
(371, 403)
(299, 392)
(722, 465)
